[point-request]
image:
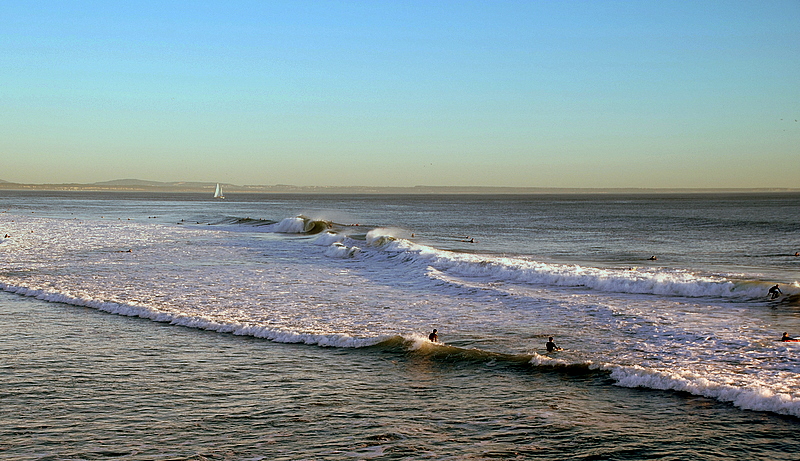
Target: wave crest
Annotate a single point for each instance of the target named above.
(757, 398)
(302, 225)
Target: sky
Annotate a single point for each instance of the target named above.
(661, 94)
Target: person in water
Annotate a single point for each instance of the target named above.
(787, 338)
(551, 346)
(775, 291)
(433, 337)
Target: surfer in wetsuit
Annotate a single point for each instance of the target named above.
(433, 337)
(551, 346)
(786, 338)
(775, 292)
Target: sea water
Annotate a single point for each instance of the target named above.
(295, 326)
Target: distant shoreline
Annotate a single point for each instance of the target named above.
(200, 187)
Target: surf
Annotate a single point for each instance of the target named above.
(522, 270)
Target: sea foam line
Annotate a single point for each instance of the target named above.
(660, 281)
(258, 331)
(757, 398)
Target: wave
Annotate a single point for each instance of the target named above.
(753, 397)
(414, 343)
(199, 322)
(757, 398)
(420, 345)
(341, 243)
(294, 225)
(253, 222)
(633, 280)
(302, 225)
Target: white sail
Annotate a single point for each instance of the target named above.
(218, 192)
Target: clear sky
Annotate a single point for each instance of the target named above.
(403, 93)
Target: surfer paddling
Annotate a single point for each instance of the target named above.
(788, 339)
(551, 346)
(774, 292)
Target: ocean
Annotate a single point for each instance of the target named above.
(145, 326)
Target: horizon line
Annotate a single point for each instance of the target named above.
(137, 185)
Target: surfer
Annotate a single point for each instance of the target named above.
(774, 292)
(433, 337)
(786, 338)
(653, 258)
(551, 346)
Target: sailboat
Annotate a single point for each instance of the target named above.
(218, 192)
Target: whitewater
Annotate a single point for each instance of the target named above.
(346, 276)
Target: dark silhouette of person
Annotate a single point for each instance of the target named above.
(775, 292)
(433, 337)
(551, 346)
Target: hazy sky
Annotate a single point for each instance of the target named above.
(403, 93)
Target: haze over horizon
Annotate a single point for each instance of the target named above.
(577, 94)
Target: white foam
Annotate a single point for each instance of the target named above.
(338, 250)
(750, 397)
(286, 290)
(661, 281)
(296, 225)
(204, 323)
(328, 238)
(544, 360)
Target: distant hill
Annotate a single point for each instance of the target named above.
(120, 185)
(139, 185)
(152, 184)
(129, 182)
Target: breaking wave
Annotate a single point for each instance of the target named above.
(635, 280)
